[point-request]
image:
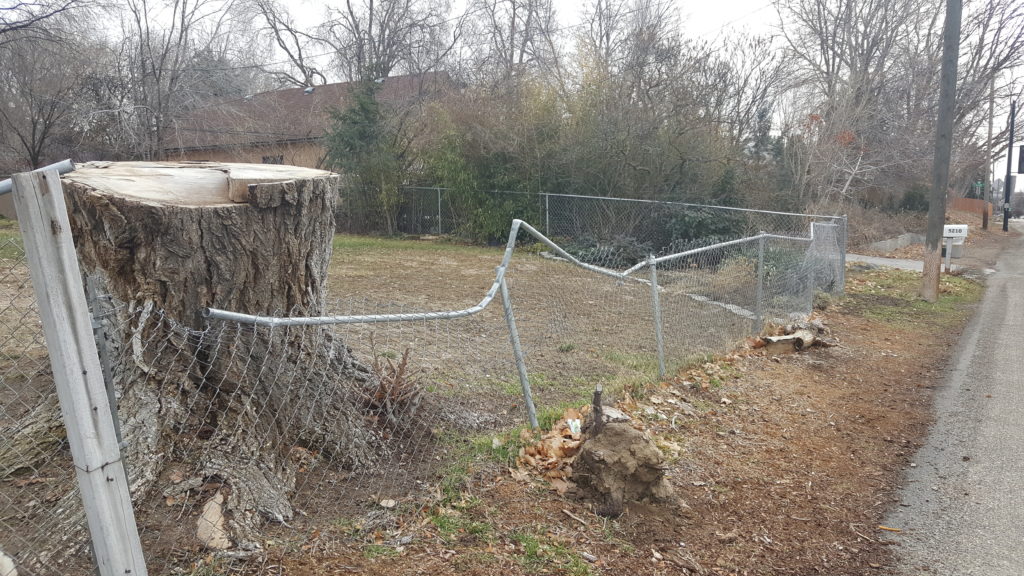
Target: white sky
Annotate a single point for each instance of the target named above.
(704, 19)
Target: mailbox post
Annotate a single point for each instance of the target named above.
(954, 236)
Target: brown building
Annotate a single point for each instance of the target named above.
(284, 126)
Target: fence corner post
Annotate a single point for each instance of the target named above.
(517, 350)
(656, 303)
(77, 373)
(759, 302)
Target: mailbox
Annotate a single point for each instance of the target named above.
(954, 236)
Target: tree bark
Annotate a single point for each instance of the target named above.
(167, 241)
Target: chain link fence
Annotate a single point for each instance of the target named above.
(628, 228)
(39, 496)
(245, 438)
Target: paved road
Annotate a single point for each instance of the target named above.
(962, 507)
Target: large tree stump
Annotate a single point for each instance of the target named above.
(167, 241)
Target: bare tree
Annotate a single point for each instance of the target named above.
(509, 35)
(157, 61)
(371, 39)
(605, 30)
(38, 81)
(867, 75)
(294, 43)
(31, 19)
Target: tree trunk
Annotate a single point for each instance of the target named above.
(170, 239)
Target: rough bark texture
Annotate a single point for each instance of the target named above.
(32, 439)
(187, 396)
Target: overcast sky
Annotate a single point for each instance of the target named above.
(700, 18)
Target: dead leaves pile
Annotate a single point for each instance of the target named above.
(711, 374)
(552, 456)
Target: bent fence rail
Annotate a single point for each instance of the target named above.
(499, 286)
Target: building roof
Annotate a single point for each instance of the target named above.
(289, 115)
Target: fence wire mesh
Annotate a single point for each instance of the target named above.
(39, 495)
(631, 227)
(267, 434)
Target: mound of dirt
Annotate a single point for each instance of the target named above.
(621, 464)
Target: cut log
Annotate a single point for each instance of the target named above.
(799, 340)
(170, 239)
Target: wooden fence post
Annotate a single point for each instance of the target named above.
(39, 200)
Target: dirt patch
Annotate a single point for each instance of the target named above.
(788, 464)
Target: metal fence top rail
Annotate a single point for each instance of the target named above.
(62, 167)
(641, 201)
(499, 279)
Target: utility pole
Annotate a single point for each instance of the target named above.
(1007, 186)
(943, 151)
(990, 170)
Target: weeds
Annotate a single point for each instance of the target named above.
(537, 556)
(372, 551)
(891, 296)
(397, 392)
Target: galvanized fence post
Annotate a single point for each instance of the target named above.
(99, 331)
(57, 281)
(656, 303)
(439, 229)
(547, 214)
(517, 350)
(844, 235)
(759, 303)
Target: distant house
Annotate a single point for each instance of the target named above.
(284, 126)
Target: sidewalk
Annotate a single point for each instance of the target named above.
(961, 510)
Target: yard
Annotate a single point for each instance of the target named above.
(782, 464)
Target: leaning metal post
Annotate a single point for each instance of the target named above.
(759, 304)
(656, 302)
(517, 349)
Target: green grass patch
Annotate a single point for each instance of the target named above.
(353, 244)
(453, 525)
(537, 555)
(637, 372)
(372, 551)
(892, 297)
(10, 240)
(466, 454)
(546, 417)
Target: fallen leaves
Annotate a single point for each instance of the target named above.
(551, 456)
